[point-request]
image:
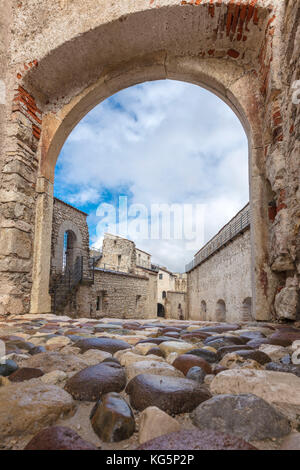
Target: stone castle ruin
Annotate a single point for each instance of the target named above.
(118, 281)
(121, 281)
(206, 359)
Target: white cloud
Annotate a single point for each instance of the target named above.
(86, 195)
(165, 142)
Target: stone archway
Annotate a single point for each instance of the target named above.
(75, 242)
(220, 312)
(224, 46)
(203, 310)
(246, 309)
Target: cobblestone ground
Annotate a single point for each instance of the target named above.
(123, 384)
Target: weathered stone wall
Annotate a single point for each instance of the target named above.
(226, 276)
(68, 218)
(175, 305)
(125, 295)
(165, 282)
(151, 302)
(82, 302)
(118, 253)
(283, 168)
(180, 282)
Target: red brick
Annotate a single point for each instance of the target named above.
(233, 53)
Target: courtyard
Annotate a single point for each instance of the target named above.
(123, 384)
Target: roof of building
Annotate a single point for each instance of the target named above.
(162, 268)
(111, 235)
(152, 270)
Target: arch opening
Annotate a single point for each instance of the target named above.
(100, 166)
(66, 244)
(220, 312)
(247, 309)
(226, 76)
(69, 251)
(57, 148)
(203, 310)
(161, 311)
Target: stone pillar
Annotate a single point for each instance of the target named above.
(264, 282)
(40, 297)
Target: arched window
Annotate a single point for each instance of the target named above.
(67, 246)
(203, 310)
(69, 254)
(247, 309)
(164, 294)
(221, 310)
(180, 312)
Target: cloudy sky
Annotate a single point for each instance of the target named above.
(162, 142)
